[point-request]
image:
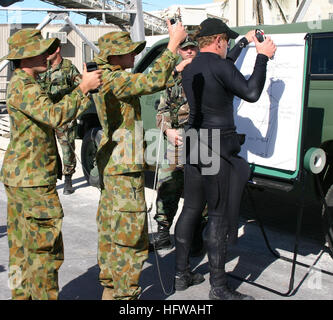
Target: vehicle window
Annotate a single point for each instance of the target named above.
(321, 56)
(146, 63)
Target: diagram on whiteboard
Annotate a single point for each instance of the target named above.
(272, 124)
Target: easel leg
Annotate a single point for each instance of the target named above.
(274, 252)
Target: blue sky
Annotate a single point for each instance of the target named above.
(37, 17)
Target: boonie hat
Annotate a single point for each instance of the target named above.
(188, 42)
(28, 43)
(118, 43)
(212, 26)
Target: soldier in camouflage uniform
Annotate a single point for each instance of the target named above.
(172, 115)
(29, 171)
(61, 78)
(122, 217)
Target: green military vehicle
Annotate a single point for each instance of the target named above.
(313, 113)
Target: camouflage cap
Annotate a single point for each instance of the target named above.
(28, 43)
(188, 42)
(118, 43)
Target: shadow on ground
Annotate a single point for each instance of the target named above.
(85, 287)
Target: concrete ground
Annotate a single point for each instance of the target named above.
(249, 260)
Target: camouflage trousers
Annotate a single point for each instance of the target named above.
(34, 220)
(170, 185)
(66, 137)
(122, 234)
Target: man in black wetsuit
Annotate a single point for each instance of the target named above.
(210, 82)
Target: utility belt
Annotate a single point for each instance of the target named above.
(241, 136)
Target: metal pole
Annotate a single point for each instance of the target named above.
(103, 14)
(137, 24)
(79, 32)
(69, 10)
(46, 21)
(301, 11)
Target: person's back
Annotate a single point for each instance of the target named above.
(122, 217)
(209, 95)
(210, 83)
(29, 170)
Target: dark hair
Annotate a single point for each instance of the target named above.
(55, 45)
(16, 63)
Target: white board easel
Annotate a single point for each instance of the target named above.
(272, 124)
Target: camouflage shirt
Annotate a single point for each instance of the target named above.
(173, 113)
(30, 159)
(119, 110)
(173, 107)
(63, 79)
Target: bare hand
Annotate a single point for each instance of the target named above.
(266, 47)
(174, 137)
(181, 66)
(249, 36)
(177, 35)
(90, 80)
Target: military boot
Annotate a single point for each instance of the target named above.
(68, 188)
(185, 279)
(161, 240)
(225, 293)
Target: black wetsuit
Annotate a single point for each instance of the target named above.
(210, 84)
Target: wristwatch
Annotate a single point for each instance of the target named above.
(243, 43)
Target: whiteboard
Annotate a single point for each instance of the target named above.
(272, 124)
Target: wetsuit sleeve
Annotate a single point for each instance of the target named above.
(249, 90)
(234, 53)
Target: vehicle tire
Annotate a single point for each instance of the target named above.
(90, 143)
(327, 214)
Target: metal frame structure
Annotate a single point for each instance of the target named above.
(134, 11)
(118, 14)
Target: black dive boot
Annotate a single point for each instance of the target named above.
(216, 242)
(161, 240)
(185, 279)
(225, 293)
(68, 188)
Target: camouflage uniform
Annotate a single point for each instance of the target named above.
(121, 216)
(57, 82)
(29, 173)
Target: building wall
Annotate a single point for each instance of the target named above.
(241, 12)
(73, 49)
(4, 35)
(317, 10)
